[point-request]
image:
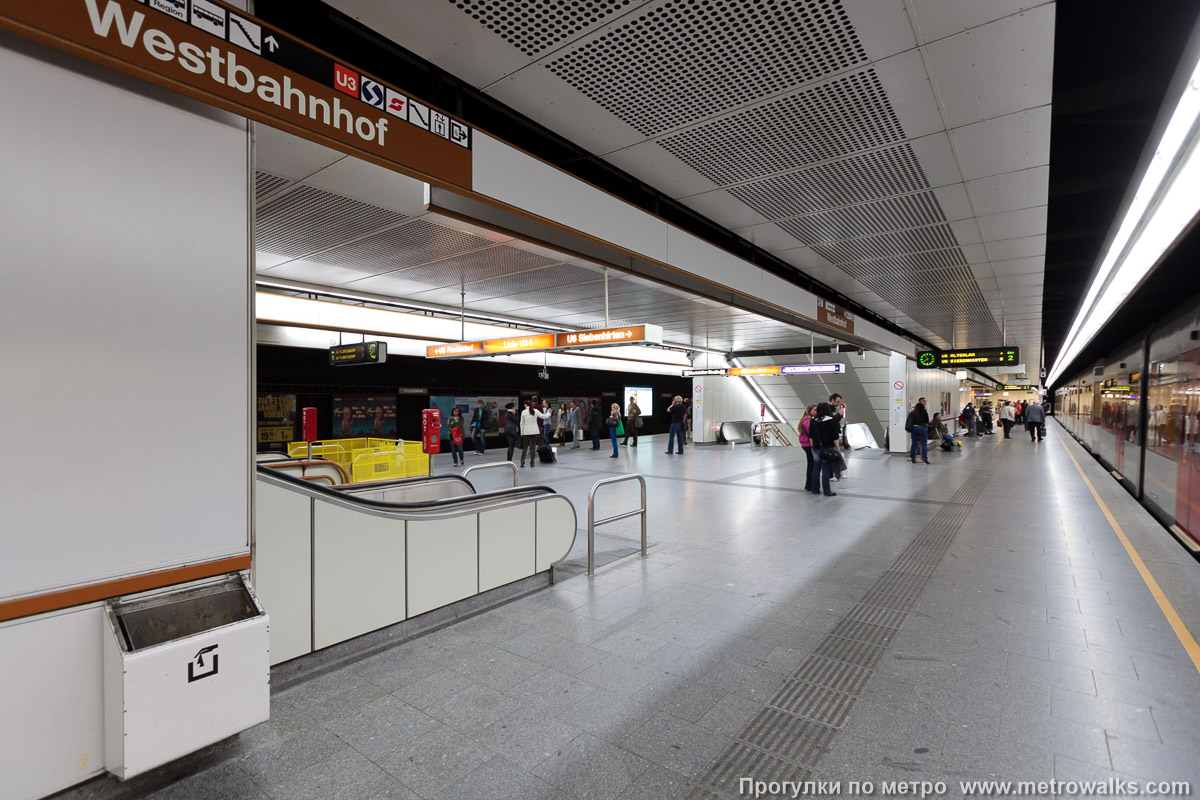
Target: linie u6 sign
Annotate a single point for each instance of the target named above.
(221, 56)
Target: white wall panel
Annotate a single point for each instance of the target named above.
(506, 545)
(282, 568)
(358, 573)
(53, 701)
(694, 255)
(511, 176)
(129, 234)
(443, 562)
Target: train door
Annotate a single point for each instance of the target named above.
(1186, 404)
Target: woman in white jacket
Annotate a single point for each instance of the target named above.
(531, 417)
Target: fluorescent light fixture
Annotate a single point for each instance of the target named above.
(1165, 203)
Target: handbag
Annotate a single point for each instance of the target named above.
(637, 422)
(620, 428)
(456, 435)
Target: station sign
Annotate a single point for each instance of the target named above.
(978, 357)
(348, 355)
(219, 55)
(572, 340)
(814, 369)
(697, 373)
(835, 316)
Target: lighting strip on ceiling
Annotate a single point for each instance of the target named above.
(1166, 202)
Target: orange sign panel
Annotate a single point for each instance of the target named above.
(519, 344)
(631, 333)
(454, 349)
(747, 371)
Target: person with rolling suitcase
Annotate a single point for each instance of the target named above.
(531, 418)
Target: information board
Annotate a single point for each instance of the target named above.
(348, 355)
(978, 357)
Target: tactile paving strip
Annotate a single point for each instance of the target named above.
(787, 737)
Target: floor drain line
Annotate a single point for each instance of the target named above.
(788, 736)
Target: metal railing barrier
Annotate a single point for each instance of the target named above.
(508, 464)
(592, 522)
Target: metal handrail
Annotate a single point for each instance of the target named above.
(592, 523)
(508, 464)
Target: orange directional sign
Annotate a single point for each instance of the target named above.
(754, 371)
(573, 340)
(454, 349)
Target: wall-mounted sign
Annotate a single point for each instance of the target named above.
(219, 55)
(693, 373)
(276, 418)
(573, 340)
(1014, 387)
(979, 357)
(347, 355)
(814, 369)
(835, 316)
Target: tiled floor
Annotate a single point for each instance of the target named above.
(1028, 648)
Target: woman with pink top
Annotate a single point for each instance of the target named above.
(806, 443)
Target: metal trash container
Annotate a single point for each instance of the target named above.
(184, 667)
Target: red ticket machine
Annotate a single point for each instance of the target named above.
(308, 427)
(431, 431)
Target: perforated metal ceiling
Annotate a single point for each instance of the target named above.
(536, 26)
(306, 220)
(681, 61)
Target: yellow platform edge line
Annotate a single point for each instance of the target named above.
(1181, 631)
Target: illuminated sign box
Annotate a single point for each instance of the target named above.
(695, 373)
(362, 353)
(978, 357)
(745, 372)
(573, 340)
(519, 344)
(814, 369)
(454, 349)
(606, 336)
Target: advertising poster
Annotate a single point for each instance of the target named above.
(493, 404)
(276, 418)
(355, 417)
(643, 396)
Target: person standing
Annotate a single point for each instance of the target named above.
(633, 415)
(823, 431)
(547, 417)
(575, 421)
(810, 414)
(457, 422)
(918, 425)
(968, 415)
(479, 423)
(687, 419)
(512, 431)
(561, 427)
(1035, 421)
(985, 420)
(677, 412)
(530, 419)
(595, 421)
(1008, 418)
(614, 419)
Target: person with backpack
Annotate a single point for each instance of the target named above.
(512, 431)
(824, 432)
(530, 424)
(917, 424)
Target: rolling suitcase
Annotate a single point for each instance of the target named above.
(546, 455)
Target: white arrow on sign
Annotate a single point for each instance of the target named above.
(272, 43)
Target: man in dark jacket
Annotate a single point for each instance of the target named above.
(512, 429)
(595, 422)
(1035, 421)
(479, 423)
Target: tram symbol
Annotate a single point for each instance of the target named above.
(197, 668)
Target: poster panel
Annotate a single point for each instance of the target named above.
(355, 417)
(276, 418)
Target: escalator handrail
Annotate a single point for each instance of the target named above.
(391, 483)
(428, 509)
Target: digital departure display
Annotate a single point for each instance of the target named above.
(348, 355)
(978, 357)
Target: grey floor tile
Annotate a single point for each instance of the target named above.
(270, 765)
(527, 737)
(569, 656)
(1060, 736)
(589, 768)
(620, 675)
(381, 726)
(224, 781)
(551, 692)
(658, 783)
(607, 715)
(473, 709)
(1150, 761)
(498, 779)
(492, 666)
(1110, 715)
(435, 761)
(433, 688)
(345, 776)
(730, 714)
(686, 699)
(676, 744)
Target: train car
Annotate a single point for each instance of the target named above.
(1138, 413)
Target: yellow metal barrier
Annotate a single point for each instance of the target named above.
(368, 459)
(388, 464)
